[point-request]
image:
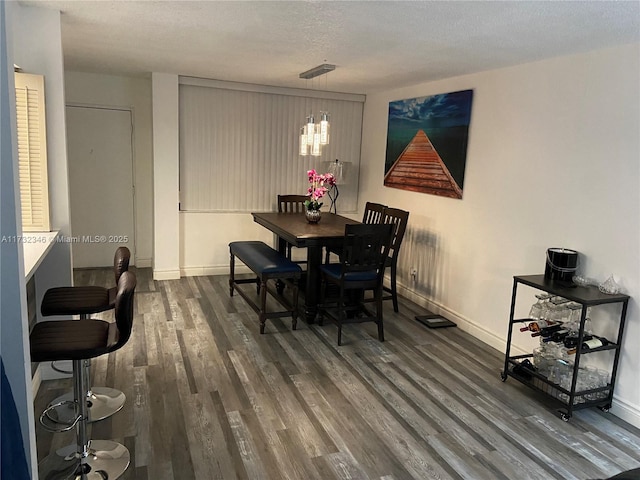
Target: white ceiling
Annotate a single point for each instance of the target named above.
(374, 45)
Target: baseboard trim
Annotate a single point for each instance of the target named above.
(143, 262)
(463, 323)
(211, 270)
(627, 412)
(166, 274)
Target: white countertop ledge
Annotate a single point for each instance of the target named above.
(35, 246)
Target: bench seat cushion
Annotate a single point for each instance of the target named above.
(262, 259)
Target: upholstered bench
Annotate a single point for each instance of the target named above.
(267, 264)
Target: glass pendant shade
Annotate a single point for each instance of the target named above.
(303, 142)
(311, 128)
(315, 149)
(324, 128)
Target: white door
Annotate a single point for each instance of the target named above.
(100, 184)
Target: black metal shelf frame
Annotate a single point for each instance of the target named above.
(587, 297)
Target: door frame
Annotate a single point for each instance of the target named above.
(129, 109)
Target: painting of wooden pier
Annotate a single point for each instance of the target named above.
(427, 143)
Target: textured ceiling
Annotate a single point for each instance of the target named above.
(375, 45)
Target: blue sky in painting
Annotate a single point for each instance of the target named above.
(443, 110)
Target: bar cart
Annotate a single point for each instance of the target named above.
(570, 399)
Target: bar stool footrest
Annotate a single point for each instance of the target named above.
(53, 424)
(102, 402)
(60, 370)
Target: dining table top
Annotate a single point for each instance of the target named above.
(295, 229)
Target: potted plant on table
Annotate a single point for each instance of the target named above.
(320, 184)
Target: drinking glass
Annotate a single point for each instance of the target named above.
(536, 308)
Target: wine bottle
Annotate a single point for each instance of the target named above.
(571, 341)
(547, 331)
(558, 336)
(537, 325)
(594, 342)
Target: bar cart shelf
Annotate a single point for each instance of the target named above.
(569, 399)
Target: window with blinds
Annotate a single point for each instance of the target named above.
(239, 144)
(32, 152)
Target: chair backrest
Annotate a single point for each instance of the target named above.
(399, 219)
(121, 262)
(366, 248)
(124, 308)
(291, 203)
(373, 213)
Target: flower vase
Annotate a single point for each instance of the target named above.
(313, 216)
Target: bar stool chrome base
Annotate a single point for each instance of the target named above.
(102, 402)
(106, 460)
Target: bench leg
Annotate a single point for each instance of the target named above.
(263, 304)
(231, 274)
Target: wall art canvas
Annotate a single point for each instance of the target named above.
(427, 143)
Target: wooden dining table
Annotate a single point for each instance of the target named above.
(294, 229)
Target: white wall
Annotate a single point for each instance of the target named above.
(40, 54)
(13, 314)
(166, 243)
(91, 89)
(553, 161)
(205, 238)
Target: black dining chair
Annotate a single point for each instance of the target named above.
(399, 219)
(372, 215)
(292, 204)
(361, 268)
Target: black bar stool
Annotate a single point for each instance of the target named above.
(77, 341)
(102, 402)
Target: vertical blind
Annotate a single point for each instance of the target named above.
(32, 152)
(239, 148)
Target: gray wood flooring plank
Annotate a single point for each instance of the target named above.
(466, 466)
(333, 412)
(206, 441)
(343, 467)
(252, 462)
(293, 416)
(256, 391)
(142, 422)
(233, 448)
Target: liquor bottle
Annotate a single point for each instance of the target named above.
(594, 342)
(558, 336)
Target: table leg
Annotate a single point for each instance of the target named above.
(282, 248)
(312, 293)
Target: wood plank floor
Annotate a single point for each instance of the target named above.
(208, 397)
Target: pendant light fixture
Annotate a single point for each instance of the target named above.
(313, 135)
